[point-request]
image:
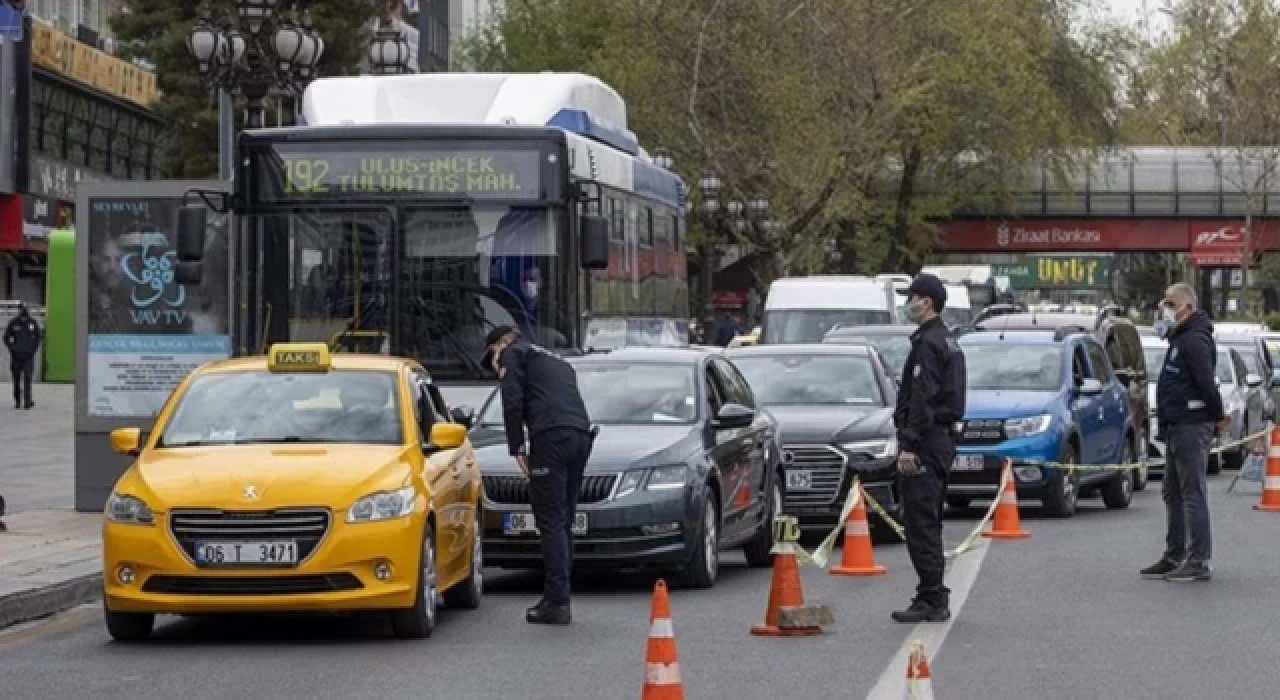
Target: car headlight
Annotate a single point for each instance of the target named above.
(662, 478)
(629, 483)
(127, 509)
(383, 505)
(1023, 427)
(878, 449)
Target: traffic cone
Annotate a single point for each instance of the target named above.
(661, 665)
(1007, 526)
(784, 592)
(856, 558)
(919, 683)
(1271, 481)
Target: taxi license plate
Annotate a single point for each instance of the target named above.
(523, 524)
(968, 463)
(278, 552)
(799, 480)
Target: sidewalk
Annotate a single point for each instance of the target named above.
(37, 466)
(50, 560)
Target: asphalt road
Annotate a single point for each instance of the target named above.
(1061, 615)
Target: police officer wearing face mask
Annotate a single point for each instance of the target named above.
(930, 403)
(540, 398)
(22, 339)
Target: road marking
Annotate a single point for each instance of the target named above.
(961, 577)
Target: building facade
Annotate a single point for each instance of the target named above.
(467, 17)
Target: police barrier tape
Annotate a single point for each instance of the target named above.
(1020, 462)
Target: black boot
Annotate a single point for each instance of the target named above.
(922, 611)
(545, 613)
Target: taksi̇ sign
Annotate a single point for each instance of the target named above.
(1058, 271)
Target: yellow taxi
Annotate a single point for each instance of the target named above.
(296, 482)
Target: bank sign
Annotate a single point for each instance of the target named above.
(1058, 272)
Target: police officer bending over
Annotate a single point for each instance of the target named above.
(930, 402)
(540, 396)
(22, 339)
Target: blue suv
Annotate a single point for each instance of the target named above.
(1043, 396)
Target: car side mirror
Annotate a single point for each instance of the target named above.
(733, 415)
(595, 242)
(126, 441)
(445, 436)
(463, 415)
(1089, 387)
(1253, 380)
(191, 232)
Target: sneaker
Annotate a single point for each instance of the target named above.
(920, 611)
(1190, 571)
(1159, 570)
(547, 614)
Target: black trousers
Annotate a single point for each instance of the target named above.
(557, 459)
(923, 501)
(22, 367)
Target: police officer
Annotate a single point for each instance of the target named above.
(930, 403)
(540, 398)
(22, 338)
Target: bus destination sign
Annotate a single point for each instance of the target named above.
(318, 172)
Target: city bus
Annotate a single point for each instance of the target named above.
(412, 214)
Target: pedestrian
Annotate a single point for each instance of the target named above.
(1188, 405)
(22, 339)
(540, 400)
(930, 403)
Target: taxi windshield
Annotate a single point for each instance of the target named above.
(257, 406)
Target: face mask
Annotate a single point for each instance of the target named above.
(1162, 328)
(912, 312)
(1169, 313)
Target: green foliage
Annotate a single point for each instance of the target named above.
(156, 30)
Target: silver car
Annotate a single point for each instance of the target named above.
(1243, 398)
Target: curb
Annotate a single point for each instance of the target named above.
(35, 603)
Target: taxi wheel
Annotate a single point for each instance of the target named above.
(467, 593)
(128, 627)
(759, 550)
(419, 621)
(703, 566)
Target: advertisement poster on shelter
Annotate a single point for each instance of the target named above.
(146, 332)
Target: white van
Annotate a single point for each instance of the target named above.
(957, 312)
(804, 309)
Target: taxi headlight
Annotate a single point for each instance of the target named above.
(1023, 427)
(629, 483)
(383, 505)
(878, 449)
(127, 509)
(663, 478)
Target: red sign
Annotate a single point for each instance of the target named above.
(729, 298)
(1061, 235)
(1222, 243)
(10, 222)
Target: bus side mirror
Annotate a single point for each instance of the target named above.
(188, 273)
(191, 231)
(595, 243)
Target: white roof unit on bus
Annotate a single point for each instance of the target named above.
(822, 292)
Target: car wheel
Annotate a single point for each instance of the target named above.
(1063, 488)
(1117, 493)
(128, 627)
(419, 621)
(759, 550)
(704, 565)
(466, 595)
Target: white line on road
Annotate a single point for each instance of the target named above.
(961, 577)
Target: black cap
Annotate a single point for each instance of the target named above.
(494, 336)
(930, 287)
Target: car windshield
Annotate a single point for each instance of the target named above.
(809, 380)
(893, 348)
(792, 326)
(345, 406)
(640, 393)
(1013, 366)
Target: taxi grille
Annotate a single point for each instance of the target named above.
(982, 432)
(305, 526)
(826, 467)
(515, 489)
(252, 585)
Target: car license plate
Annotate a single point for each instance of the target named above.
(799, 480)
(280, 552)
(523, 524)
(968, 463)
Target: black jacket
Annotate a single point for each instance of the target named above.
(1188, 391)
(933, 385)
(540, 391)
(22, 336)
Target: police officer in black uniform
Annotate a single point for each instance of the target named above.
(930, 403)
(22, 339)
(540, 398)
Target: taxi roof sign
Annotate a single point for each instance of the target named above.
(298, 357)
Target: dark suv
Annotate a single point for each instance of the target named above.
(1119, 337)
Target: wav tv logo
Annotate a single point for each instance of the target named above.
(157, 299)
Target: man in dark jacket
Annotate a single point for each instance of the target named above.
(540, 399)
(930, 403)
(1188, 406)
(22, 338)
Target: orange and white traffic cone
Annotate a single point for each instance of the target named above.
(661, 665)
(856, 557)
(1271, 480)
(1007, 526)
(919, 683)
(784, 592)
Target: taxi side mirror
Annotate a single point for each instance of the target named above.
(126, 441)
(445, 436)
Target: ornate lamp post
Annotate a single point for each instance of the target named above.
(389, 49)
(264, 47)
